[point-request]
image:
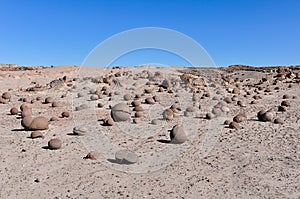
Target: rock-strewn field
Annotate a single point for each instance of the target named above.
(145, 132)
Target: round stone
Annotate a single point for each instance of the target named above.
(217, 111)
(126, 157)
(127, 97)
(26, 121)
(190, 109)
(168, 114)
(56, 104)
(54, 144)
(25, 106)
(6, 95)
(227, 122)
(94, 97)
(53, 119)
(14, 111)
(209, 116)
(36, 134)
(120, 112)
(39, 123)
(138, 114)
(260, 114)
(138, 108)
(49, 100)
(267, 117)
(234, 125)
(282, 108)
(278, 121)
(65, 114)
(149, 100)
(81, 131)
(136, 103)
(178, 135)
(239, 118)
(286, 103)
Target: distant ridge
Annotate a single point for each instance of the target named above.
(232, 68)
(16, 67)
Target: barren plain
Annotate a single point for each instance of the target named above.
(238, 132)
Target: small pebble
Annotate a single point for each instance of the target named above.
(56, 104)
(108, 122)
(127, 97)
(49, 100)
(286, 103)
(234, 125)
(138, 108)
(149, 100)
(155, 122)
(93, 155)
(65, 114)
(6, 95)
(209, 116)
(100, 105)
(14, 111)
(168, 114)
(239, 118)
(227, 122)
(282, 108)
(278, 121)
(54, 119)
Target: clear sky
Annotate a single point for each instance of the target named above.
(63, 32)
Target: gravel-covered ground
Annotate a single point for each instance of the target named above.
(256, 160)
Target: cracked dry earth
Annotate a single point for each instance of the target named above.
(257, 160)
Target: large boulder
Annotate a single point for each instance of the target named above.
(120, 112)
(178, 135)
(38, 123)
(26, 121)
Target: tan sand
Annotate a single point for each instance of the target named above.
(260, 160)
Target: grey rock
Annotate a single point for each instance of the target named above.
(120, 112)
(178, 135)
(81, 130)
(126, 157)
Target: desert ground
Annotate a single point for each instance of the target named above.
(176, 132)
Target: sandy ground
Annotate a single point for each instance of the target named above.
(259, 160)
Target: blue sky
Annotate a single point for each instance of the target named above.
(63, 32)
